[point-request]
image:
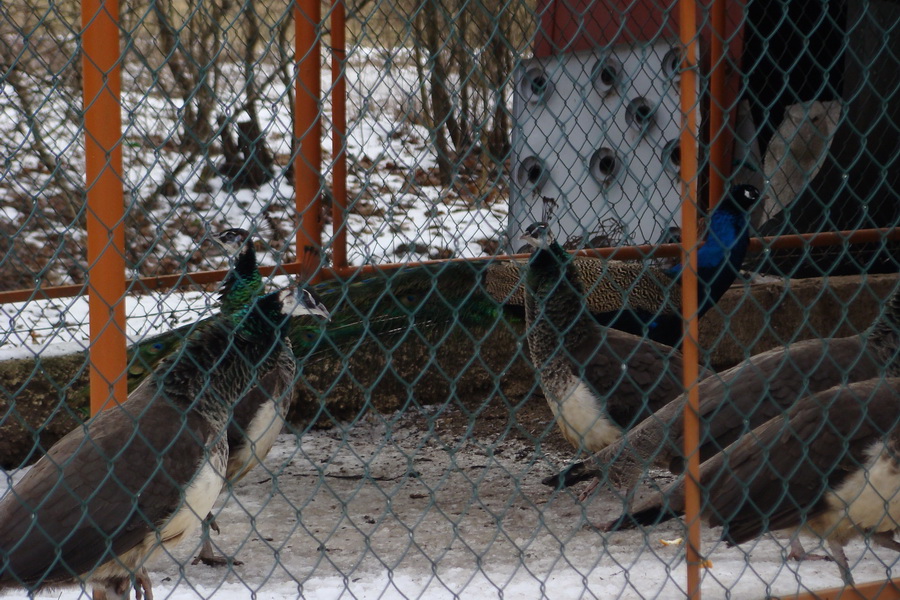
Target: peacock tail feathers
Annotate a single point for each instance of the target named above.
(479, 296)
(434, 295)
(384, 308)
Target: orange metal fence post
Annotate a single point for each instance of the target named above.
(688, 27)
(308, 132)
(105, 201)
(338, 135)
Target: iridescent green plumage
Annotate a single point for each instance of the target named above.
(243, 281)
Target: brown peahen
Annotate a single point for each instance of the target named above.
(828, 467)
(258, 417)
(138, 477)
(746, 396)
(598, 382)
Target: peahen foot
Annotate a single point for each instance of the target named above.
(207, 554)
(119, 588)
(799, 553)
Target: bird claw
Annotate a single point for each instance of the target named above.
(800, 554)
(216, 561)
(809, 556)
(208, 557)
(143, 588)
(584, 495)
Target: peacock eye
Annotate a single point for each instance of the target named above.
(158, 346)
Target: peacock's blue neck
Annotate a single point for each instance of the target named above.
(720, 257)
(727, 238)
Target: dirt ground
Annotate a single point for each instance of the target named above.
(446, 502)
(440, 502)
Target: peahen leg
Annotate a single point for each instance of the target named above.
(799, 553)
(142, 583)
(207, 554)
(120, 587)
(837, 551)
(585, 494)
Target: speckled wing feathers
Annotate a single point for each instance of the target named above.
(605, 283)
(276, 386)
(124, 505)
(790, 463)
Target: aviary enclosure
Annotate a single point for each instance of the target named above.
(686, 371)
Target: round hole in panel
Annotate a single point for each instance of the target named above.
(671, 156)
(532, 174)
(535, 86)
(671, 63)
(605, 166)
(606, 75)
(639, 113)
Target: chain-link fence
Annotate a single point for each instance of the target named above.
(439, 436)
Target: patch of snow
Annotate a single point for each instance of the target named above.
(59, 326)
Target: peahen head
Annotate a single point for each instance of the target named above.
(538, 235)
(244, 281)
(267, 315)
(233, 241)
(300, 300)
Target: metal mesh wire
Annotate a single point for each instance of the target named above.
(425, 414)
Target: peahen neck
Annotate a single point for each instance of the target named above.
(243, 282)
(719, 259)
(257, 317)
(556, 307)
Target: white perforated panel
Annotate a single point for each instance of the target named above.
(599, 133)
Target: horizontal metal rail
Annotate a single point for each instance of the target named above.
(145, 284)
(888, 589)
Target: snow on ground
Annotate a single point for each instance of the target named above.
(390, 509)
(61, 326)
(399, 213)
